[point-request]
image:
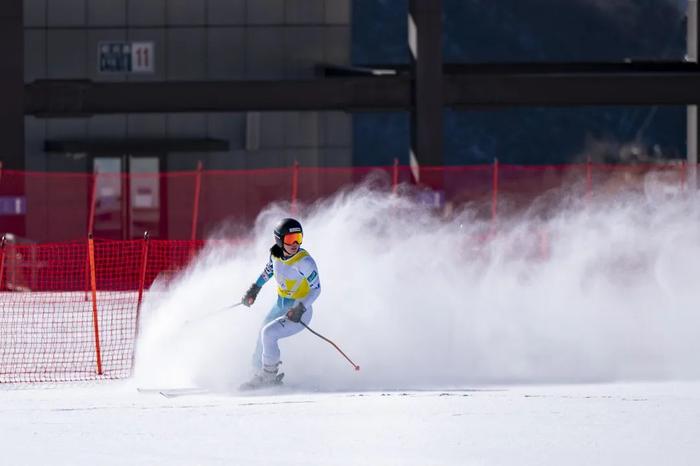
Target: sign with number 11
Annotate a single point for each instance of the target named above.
(125, 57)
(142, 57)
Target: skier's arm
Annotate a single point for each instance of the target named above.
(252, 293)
(309, 270)
(266, 274)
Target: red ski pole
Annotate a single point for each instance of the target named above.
(357, 368)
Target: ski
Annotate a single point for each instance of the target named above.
(184, 392)
(175, 392)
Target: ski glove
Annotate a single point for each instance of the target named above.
(295, 312)
(250, 295)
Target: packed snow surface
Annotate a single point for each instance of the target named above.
(112, 424)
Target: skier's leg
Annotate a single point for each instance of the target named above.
(277, 329)
(274, 313)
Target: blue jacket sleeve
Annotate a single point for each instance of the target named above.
(266, 274)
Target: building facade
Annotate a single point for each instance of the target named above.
(177, 40)
(192, 40)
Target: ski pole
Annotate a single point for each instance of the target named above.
(214, 312)
(231, 306)
(357, 368)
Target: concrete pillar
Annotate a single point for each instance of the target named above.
(12, 84)
(692, 110)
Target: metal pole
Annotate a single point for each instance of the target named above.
(142, 277)
(692, 110)
(93, 200)
(142, 285)
(93, 282)
(195, 207)
(91, 226)
(125, 178)
(425, 47)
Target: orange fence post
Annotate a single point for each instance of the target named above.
(93, 201)
(91, 226)
(494, 191)
(295, 186)
(127, 221)
(142, 278)
(395, 176)
(195, 207)
(87, 275)
(142, 286)
(93, 282)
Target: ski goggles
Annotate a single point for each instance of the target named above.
(292, 238)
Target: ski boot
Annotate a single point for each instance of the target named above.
(267, 376)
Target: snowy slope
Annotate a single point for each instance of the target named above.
(111, 424)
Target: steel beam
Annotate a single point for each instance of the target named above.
(470, 87)
(573, 89)
(56, 98)
(11, 84)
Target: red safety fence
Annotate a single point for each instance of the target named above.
(53, 207)
(70, 311)
(69, 304)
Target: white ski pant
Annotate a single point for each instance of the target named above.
(279, 328)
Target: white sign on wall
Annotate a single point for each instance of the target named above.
(125, 57)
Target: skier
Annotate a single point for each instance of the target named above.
(298, 286)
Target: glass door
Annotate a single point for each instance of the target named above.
(128, 197)
(108, 203)
(144, 195)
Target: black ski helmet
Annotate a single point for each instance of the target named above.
(284, 227)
